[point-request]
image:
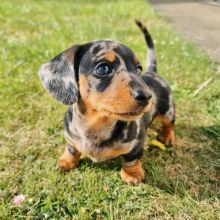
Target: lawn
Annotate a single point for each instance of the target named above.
(181, 182)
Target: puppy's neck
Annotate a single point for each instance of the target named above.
(94, 120)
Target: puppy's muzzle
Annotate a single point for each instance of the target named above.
(141, 97)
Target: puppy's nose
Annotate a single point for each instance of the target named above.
(141, 97)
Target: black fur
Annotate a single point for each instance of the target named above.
(117, 134)
(135, 154)
(61, 76)
(131, 132)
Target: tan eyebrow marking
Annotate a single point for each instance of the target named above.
(136, 61)
(110, 57)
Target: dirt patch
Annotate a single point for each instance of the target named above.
(196, 21)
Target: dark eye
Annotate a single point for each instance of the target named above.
(139, 69)
(103, 69)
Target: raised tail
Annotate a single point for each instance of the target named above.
(151, 57)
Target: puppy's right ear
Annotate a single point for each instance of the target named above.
(59, 76)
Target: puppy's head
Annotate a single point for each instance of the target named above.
(104, 76)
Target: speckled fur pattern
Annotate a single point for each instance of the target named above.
(108, 115)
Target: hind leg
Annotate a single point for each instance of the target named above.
(167, 120)
(167, 133)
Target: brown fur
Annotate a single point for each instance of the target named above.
(167, 133)
(110, 57)
(83, 87)
(112, 100)
(68, 161)
(96, 119)
(136, 61)
(132, 174)
(109, 153)
(102, 105)
(103, 108)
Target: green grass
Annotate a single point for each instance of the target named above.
(181, 183)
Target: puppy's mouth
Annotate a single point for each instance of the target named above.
(133, 113)
(127, 113)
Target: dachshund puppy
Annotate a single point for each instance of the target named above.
(110, 104)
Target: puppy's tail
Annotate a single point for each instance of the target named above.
(151, 57)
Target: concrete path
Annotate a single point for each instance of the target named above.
(198, 21)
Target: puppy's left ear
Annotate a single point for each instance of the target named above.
(60, 76)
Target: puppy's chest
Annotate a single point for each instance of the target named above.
(89, 138)
(105, 143)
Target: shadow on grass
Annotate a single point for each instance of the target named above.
(114, 164)
(192, 168)
(212, 132)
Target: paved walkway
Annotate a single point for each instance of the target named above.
(198, 21)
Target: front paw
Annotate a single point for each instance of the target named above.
(66, 165)
(167, 138)
(69, 160)
(132, 174)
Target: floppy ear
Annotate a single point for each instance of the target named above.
(59, 76)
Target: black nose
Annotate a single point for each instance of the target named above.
(141, 97)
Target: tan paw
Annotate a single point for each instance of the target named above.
(131, 178)
(68, 160)
(168, 138)
(132, 174)
(66, 165)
